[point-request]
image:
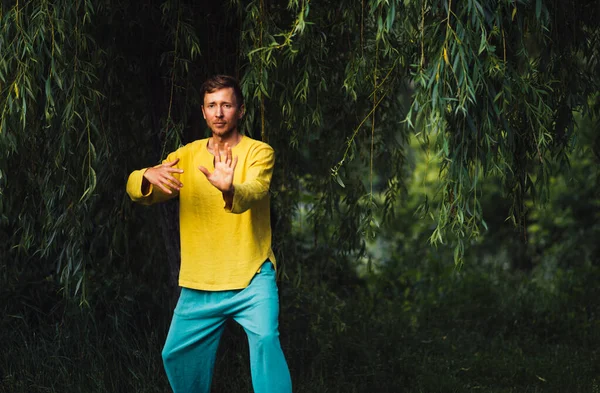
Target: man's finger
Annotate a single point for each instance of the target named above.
(172, 163)
(165, 189)
(204, 170)
(173, 180)
(217, 153)
(163, 181)
(228, 152)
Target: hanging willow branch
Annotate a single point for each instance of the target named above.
(89, 89)
(57, 152)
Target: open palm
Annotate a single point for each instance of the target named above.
(222, 176)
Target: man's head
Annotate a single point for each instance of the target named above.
(219, 82)
(222, 105)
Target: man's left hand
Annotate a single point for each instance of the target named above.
(222, 176)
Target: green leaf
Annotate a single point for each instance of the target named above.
(391, 15)
(445, 147)
(483, 42)
(338, 178)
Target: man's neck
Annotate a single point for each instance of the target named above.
(232, 139)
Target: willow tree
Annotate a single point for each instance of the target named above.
(495, 84)
(90, 90)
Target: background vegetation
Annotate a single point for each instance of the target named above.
(435, 204)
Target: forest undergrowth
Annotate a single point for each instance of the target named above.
(430, 329)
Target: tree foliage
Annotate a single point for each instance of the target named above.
(91, 90)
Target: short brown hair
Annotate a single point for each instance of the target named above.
(219, 82)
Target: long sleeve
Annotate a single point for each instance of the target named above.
(220, 249)
(154, 194)
(257, 182)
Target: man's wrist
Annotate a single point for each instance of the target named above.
(228, 197)
(145, 184)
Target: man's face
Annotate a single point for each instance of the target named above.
(221, 111)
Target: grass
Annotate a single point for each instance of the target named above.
(468, 331)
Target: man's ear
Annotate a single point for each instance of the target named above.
(203, 114)
(242, 111)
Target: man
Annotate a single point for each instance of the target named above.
(227, 265)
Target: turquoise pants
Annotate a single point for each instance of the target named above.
(198, 322)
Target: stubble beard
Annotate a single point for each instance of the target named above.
(224, 133)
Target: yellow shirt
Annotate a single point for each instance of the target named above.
(220, 249)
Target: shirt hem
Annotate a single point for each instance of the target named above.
(231, 286)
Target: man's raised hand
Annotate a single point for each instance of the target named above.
(162, 176)
(222, 176)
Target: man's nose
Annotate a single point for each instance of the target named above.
(219, 111)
